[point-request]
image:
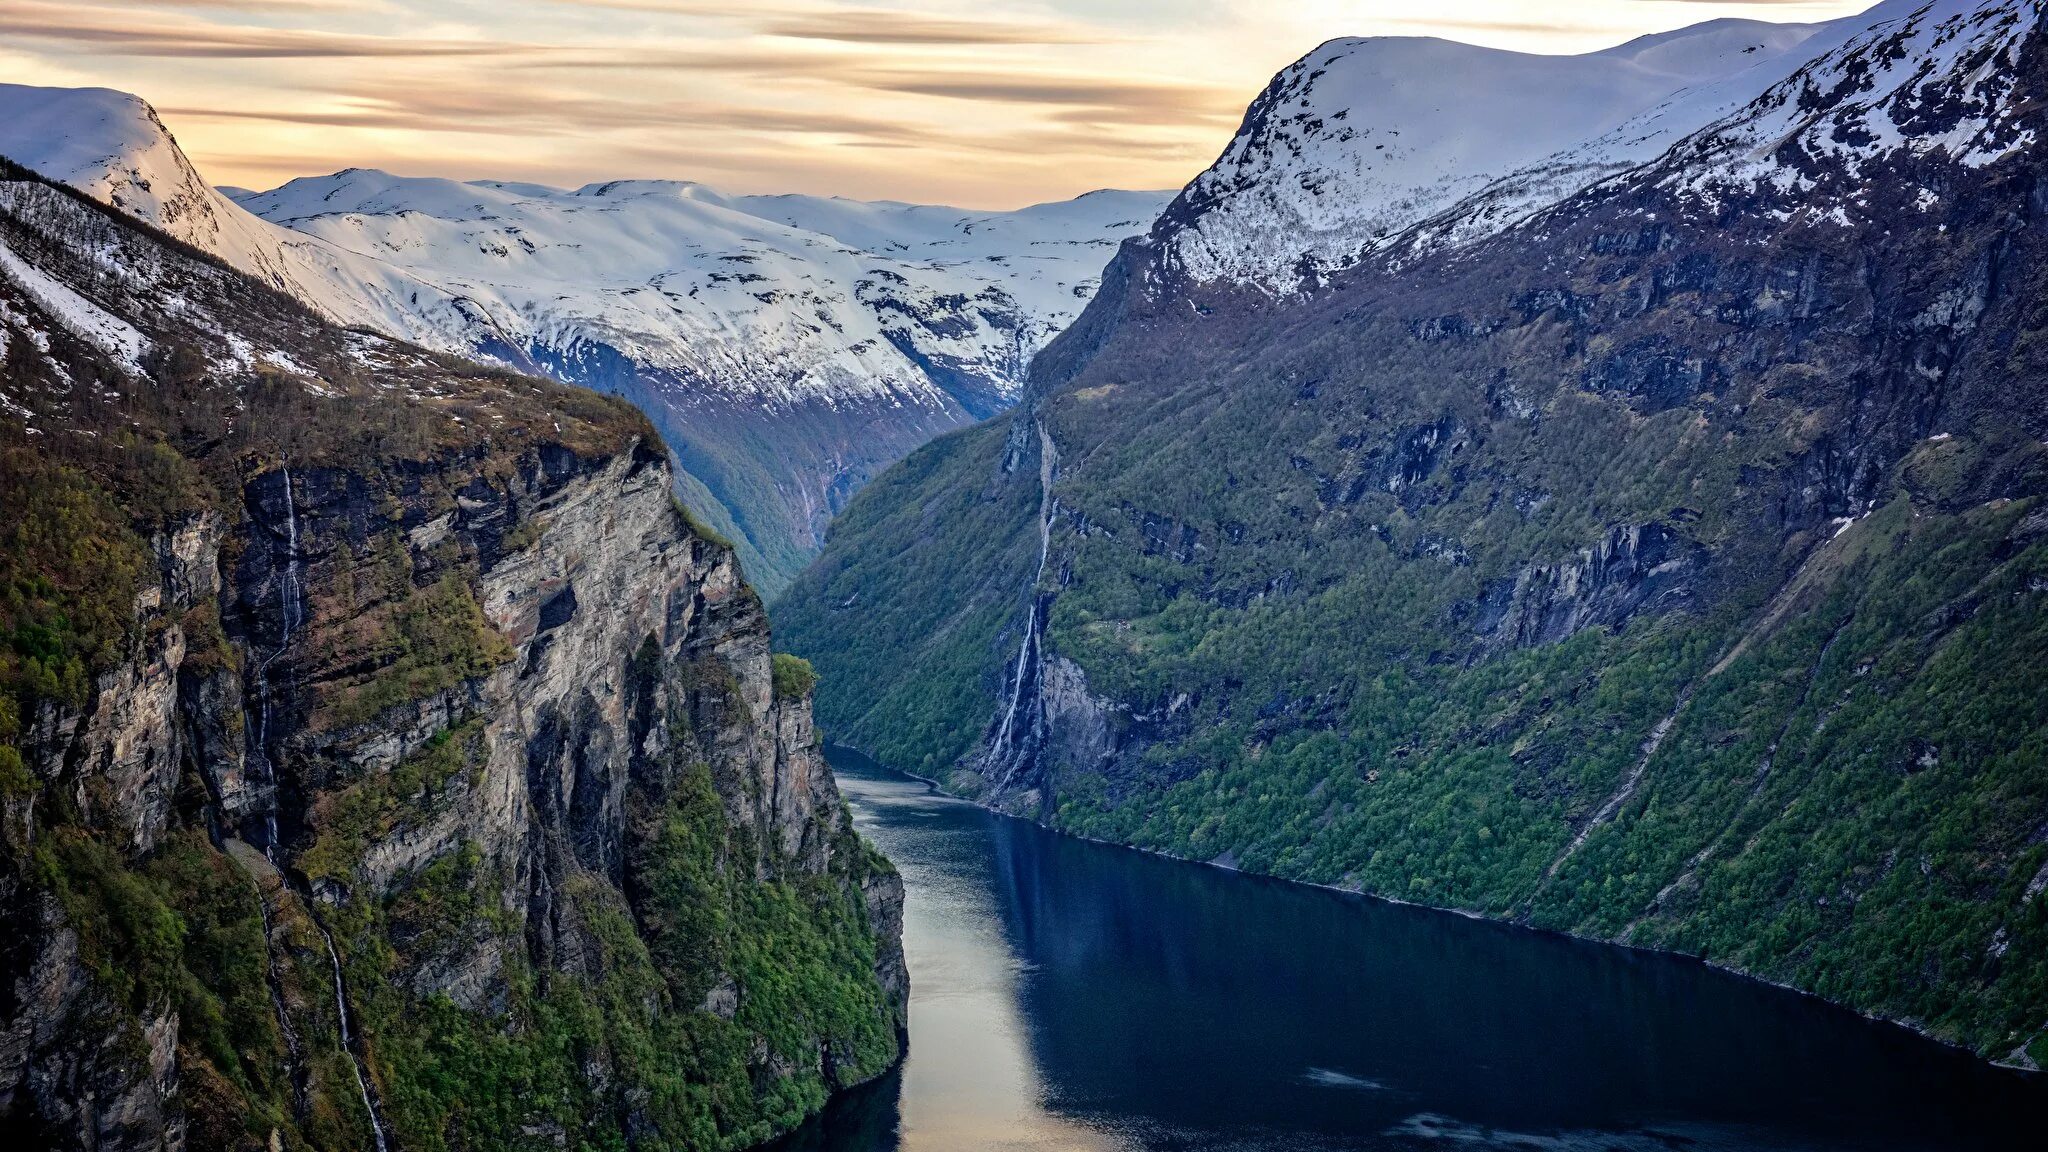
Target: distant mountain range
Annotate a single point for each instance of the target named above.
(1605, 492)
(787, 346)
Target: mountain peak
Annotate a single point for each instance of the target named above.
(1939, 78)
(1363, 138)
(111, 146)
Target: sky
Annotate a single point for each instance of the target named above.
(991, 104)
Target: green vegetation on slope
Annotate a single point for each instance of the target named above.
(517, 1074)
(1579, 581)
(794, 676)
(70, 569)
(849, 614)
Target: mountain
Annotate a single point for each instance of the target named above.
(1363, 138)
(111, 146)
(386, 760)
(1663, 562)
(787, 346)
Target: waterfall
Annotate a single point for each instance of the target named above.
(276, 981)
(291, 613)
(348, 1040)
(1022, 683)
(291, 605)
(290, 595)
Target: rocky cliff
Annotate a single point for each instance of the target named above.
(389, 762)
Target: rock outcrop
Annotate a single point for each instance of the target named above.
(389, 761)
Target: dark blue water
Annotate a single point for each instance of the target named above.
(1068, 995)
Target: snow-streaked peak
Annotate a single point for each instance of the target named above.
(780, 298)
(111, 146)
(1363, 138)
(1923, 77)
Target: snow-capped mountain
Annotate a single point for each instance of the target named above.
(1362, 138)
(1928, 79)
(776, 300)
(789, 347)
(1364, 143)
(111, 146)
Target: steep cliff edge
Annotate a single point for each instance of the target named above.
(1665, 565)
(788, 347)
(388, 761)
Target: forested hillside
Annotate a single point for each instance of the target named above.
(1669, 566)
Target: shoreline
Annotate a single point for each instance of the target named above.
(2036, 1074)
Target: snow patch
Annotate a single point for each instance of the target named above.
(83, 318)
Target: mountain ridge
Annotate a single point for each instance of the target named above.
(1302, 188)
(1647, 565)
(732, 303)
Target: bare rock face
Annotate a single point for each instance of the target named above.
(621, 655)
(1635, 568)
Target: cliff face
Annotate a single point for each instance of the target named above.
(1664, 568)
(389, 762)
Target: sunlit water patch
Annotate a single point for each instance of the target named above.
(1068, 995)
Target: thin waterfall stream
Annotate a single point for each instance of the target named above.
(291, 615)
(291, 612)
(1021, 682)
(348, 1037)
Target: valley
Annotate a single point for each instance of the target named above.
(1508, 611)
(1657, 566)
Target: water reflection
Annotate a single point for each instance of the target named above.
(1073, 996)
(970, 1081)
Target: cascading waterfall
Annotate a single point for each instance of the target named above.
(348, 1039)
(291, 605)
(284, 1016)
(1005, 748)
(291, 613)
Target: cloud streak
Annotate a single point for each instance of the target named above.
(961, 101)
(265, 7)
(131, 31)
(876, 26)
(863, 25)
